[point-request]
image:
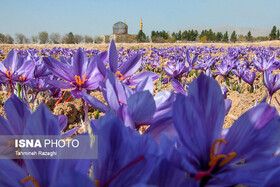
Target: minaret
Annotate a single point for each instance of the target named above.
(141, 25)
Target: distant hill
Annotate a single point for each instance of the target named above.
(263, 31)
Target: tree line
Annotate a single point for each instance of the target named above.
(156, 37)
(44, 38)
(210, 36)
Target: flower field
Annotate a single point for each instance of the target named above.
(163, 116)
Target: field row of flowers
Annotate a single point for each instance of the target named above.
(169, 138)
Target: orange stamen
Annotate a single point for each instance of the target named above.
(76, 78)
(9, 73)
(79, 81)
(228, 159)
(118, 73)
(215, 158)
(29, 178)
(97, 183)
(22, 78)
(213, 152)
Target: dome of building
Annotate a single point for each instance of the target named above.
(120, 28)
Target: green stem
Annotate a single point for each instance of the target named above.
(97, 114)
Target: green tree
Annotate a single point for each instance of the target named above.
(249, 36)
(219, 36)
(43, 37)
(210, 35)
(233, 37)
(160, 36)
(2, 38)
(262, 38)
(185, 35)
(153, 33)
(278, 35)
(225, 37)
(34, 39)
(273, 34)
(141, 37)
(164, 34)
(203, 39)
(203, 33)
(179, 35)
(194, 35)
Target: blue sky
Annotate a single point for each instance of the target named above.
(96, 17)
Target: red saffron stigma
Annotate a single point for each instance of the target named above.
(60, 98)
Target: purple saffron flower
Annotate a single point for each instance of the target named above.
(16, 69)
(133, 106)
(56, 173)
(162, 121)
(55, 92)
(41, 69)
(191, 62)
(125, 71)
(263, 63)
(175, 71)
(39, 84)
(249, 78)
(41, 122)
(224, 91)
(125, 157)
(165, 174)
(81, 75)
(239, 71)
(224, 67)
(178, 87)
(272, 83)
(273, 178)
(199, 118)
(17, 114)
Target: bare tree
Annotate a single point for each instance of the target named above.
(20, 38)
(26, 40)
(78, 38)
(88, 39)
(9, 39)
(55, 38)
(68, 38)
(98, 40)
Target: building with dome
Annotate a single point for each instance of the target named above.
(120, 28)
(120, 33)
